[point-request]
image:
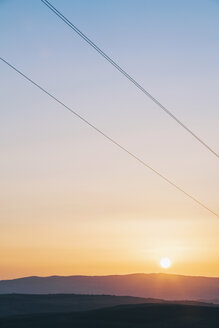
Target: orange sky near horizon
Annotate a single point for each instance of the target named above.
(100, 249)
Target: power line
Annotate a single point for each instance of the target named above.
(122, 71)
(107, 137)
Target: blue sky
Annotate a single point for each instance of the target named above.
(53, 164)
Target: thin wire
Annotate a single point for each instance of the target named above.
(112, 62)
(107, 137)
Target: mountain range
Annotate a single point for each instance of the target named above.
(159, 286)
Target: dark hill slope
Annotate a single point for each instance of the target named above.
(133, 316)
(14, 304)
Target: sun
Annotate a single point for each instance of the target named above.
(165, 262)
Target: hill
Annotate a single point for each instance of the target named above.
(19, 304)
(160, 286)
(133, 316)
(15, 304)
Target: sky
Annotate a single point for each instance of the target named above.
(70, 201)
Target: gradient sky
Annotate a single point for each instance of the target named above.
(71, 202)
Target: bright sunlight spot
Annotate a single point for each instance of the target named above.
(165, 262)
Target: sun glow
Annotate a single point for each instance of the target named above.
(165, 262)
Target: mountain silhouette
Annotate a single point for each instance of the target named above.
(160, 286)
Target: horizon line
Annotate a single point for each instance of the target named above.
(110, 275)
